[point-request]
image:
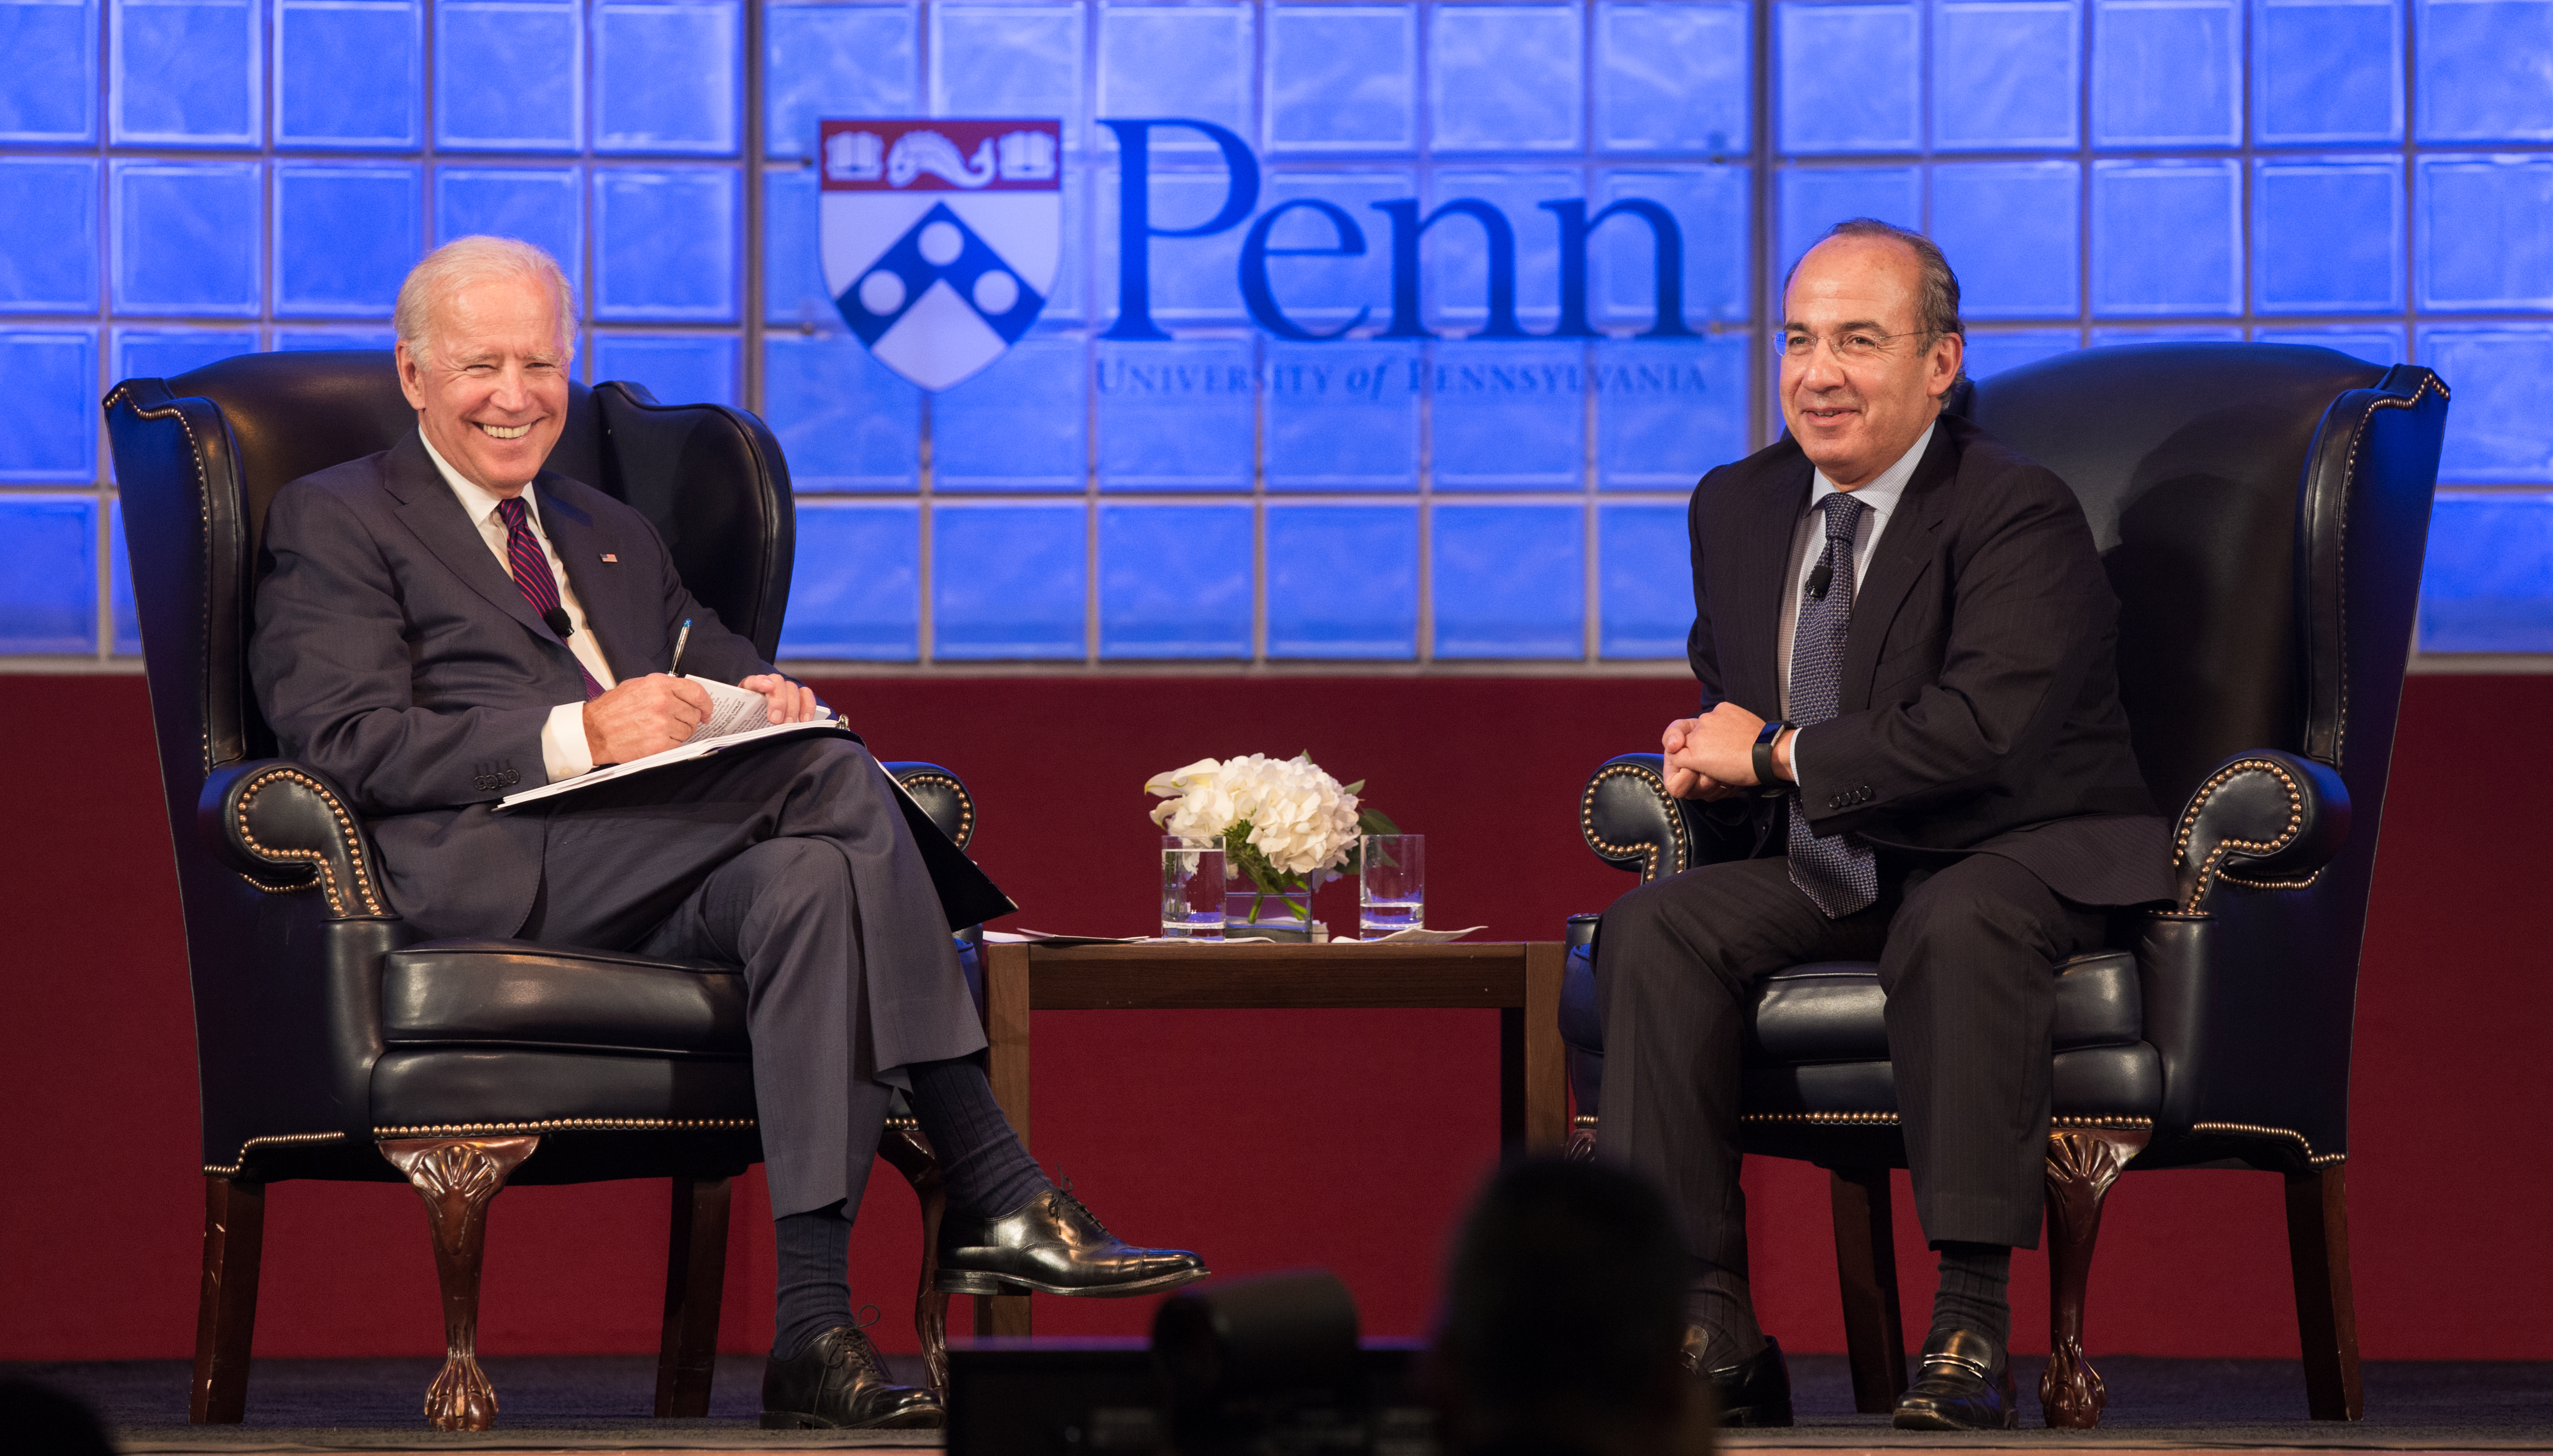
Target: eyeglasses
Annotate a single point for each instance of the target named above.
(1854, 346)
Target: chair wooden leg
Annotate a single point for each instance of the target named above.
(1866, 1263)
(694, 1279)
(457, 1177)
(909, 1153)
(2326, 1310)
(2081, 1166)
(226, 1307)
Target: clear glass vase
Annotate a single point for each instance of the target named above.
(1281, 914)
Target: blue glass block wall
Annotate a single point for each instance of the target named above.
(1404, 344)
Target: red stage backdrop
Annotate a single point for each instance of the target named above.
(1268, 1140)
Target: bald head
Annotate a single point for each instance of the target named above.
(1871, 340)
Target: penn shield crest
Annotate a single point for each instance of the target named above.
(940, 236)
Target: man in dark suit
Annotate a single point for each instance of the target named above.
(445, 622)
(1912, 744)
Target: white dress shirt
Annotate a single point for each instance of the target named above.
(1878, 497)
(564, 751)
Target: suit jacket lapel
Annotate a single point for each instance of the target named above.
(1905, 548)
(1758, 580)
(623, 625)
(428, 507)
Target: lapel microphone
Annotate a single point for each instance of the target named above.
(556, 616)
(1819, 579)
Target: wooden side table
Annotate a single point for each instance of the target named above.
(1519, 979)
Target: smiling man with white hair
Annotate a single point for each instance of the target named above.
(447, 622)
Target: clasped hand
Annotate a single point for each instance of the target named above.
(651, 713)
(1713, 756)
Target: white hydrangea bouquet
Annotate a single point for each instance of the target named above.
(1284, 821)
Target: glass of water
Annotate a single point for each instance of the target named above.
(1391, 884)
(1191, 887)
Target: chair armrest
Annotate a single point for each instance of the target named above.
(2264, 819)
(1632, 823)
(284, 827)
(941, 795)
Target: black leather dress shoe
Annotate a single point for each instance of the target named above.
(838, 1382)
(1964, 1383)
(1752, 1391)
(1054, 1246)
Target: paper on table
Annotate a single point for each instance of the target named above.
(1415, 935)
(1042, 937)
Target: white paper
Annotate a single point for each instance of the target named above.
(1415, 935)
(679, 753)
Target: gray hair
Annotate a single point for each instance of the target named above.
(472, 260)
(1937, 296)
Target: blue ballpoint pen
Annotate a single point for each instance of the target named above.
(675, 668)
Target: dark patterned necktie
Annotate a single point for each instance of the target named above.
(530, 566)
(1835, 871)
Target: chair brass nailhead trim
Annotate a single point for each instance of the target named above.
(1648, 854)
(965, 803)
(2306, 882)
(203, 509)
(565, 1124)
(2210, 869)
(2255, 1130)
(285, 1138)
(2121, 1124)
(2349, 473)
(346, 831)
(1825, 1119)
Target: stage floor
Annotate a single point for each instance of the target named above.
(599, 1404)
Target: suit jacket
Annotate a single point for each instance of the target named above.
(396, 654)
(1980, 700)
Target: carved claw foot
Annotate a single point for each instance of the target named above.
(2081, 1166)
(457, 1177)
(930, 1322)
(2071, 1390)
(461, 1399)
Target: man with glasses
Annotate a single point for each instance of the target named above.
(1910, 740)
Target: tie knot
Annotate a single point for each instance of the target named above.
(1843, 514)
(510, 509)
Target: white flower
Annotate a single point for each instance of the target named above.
(1300, 819)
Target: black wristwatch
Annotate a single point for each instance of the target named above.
(1767, 784)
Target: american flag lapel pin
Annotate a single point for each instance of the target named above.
(614, 560)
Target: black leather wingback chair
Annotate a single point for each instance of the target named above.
(334, 1043)
(2260, 511)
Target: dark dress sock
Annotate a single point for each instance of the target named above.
(1719, 1301)
(1971, 1296)
(815, 1277)
(989, 1174)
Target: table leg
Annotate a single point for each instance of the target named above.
(1544, 1060)
(1512, 1079)
(1006, 1026)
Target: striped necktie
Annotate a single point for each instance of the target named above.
(530, 566)
(1836, 871)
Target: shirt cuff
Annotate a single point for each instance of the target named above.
(1799, 768)
(564, 753)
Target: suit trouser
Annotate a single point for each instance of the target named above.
(792, 859)
(1964, 953)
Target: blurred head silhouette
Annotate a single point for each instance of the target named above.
(1564, 1319)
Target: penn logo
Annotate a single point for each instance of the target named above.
(940, 236)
